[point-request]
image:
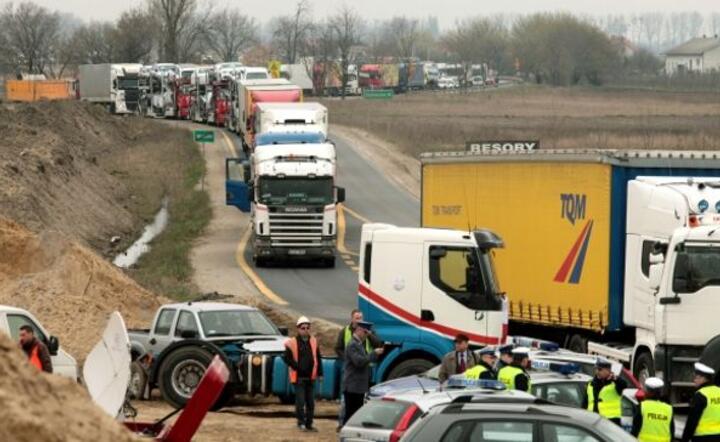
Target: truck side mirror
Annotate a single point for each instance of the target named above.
(340, 194)
(53, 346)
(655, 275)
(437, 253)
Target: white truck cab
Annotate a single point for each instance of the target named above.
(421, 287)
(282, 117)
(12, 318)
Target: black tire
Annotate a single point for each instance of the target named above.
(138, 380)
(330, 263)
(644, 367)
(261, 262)
(578, 344)
(225, 397)
(410, 367)
(187, 365)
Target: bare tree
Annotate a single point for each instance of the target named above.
(290, 31)
(29, 37)
(347, 30)
(134, 36)
(182, 27)
(95, 43)
(230, 33)
(404, 33)
(651, 27)
(319, 54)
(480, 40)
(714, 23)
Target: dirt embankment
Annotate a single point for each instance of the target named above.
(71, 167)
(70, 289)
(40, 407)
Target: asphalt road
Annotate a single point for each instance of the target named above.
(331, 293)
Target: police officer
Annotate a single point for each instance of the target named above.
(653, 419)
(703, 421)
(505, 356)
(484, 369)
(603, 394)
(514, 375)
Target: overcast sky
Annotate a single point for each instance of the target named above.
(447, 11)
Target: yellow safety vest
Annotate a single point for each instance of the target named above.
(656, 421)
(348, 337)
(474, 372)
(709, 424)
(507, 375)
(609, 404)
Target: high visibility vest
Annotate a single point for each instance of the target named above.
(657, 418)
(609, 403)
(709, 423)
(348, 337)
(35, 357)
(293, 346)
(475, 371)
(507, 376)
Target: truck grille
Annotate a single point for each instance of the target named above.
(296, 229)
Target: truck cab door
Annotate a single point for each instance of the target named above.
(454, 298)
(238, 192)
(688, 295)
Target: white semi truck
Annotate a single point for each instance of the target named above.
(290, 191)
(288, 117)
(115, 85)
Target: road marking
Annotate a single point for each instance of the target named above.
(254, 277)
(341, 232)
(240, 251)
(356, 215)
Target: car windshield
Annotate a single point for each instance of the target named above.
(280, 191)
(236, 323)
(563, 393)
(378, 414)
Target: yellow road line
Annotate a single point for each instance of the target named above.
(229, 142)
(341, 232)
(356, 215)
(245, 267)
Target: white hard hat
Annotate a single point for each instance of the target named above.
(654, 383)
(520, 351)
(302, 320)
(704, 369)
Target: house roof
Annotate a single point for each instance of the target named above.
(695, 46)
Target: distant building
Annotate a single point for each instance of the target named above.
(699, 55)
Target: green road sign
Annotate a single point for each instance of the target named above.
(383, 94)
(204, 136)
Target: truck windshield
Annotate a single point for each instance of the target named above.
(281, 191)
(487, 269)
(128, 83)
(696, 267)
(236, 323)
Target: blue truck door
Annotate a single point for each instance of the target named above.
(237, 190)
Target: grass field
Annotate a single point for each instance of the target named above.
(560, 118)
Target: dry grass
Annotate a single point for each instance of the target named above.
(559, 117)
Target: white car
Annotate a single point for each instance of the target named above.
(445, 83)
(12, 318)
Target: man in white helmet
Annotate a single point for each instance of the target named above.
(302, 355)
(703, 420)
(653, 418)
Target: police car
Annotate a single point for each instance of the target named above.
(387, 418)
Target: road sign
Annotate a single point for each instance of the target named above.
(382, 94)
(204, 136)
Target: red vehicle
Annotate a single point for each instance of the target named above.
(371, 76)
(183, 98)
(221, 102)
(208, 391)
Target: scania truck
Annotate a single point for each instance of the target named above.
(612, 252)
(290, 191)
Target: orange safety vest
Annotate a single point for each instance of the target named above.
(35, 358)
(293, 346)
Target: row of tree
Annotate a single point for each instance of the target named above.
(554, 48)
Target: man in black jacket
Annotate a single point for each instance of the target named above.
(603, 394)
(703, 420)
(302, 355)
(356, 370)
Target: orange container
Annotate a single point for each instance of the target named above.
(32, 90)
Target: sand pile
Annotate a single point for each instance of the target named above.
(40, 407)
(70, 289)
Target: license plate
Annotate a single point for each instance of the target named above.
(296, 252)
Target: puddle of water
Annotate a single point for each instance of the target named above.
(142, 245)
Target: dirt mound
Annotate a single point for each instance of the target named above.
(60, 281)
(54, 171)
(41, 407)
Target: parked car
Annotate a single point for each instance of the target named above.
(388, 418)
(445, 83)
(477, 80)
(467, 419)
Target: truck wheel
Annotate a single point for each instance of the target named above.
(138, 380)
(644, 367)
(330, 262)
(410, 367)
(225, 397)
(180, 374)
(578, 344)
(261, 262)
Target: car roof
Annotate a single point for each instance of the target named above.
(209, 306)
(542, 376)
(523, 408)
(9, 309)
(429, 399)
